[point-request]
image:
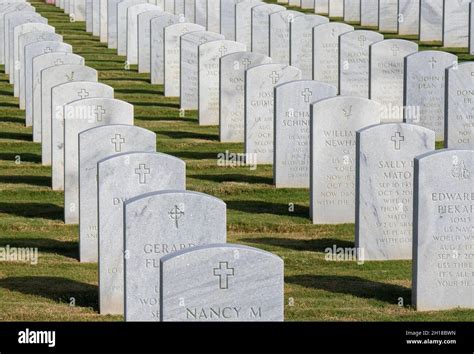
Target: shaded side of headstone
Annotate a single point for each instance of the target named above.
(144, 44)
(384, 188)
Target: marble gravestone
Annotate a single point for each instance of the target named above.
(388, 16)
(292, 130)
(295, 3)
(103, 13)
(11, 20)
(189, 12)
(157, 26)
(96, 18)
(123, 25)
(354, 62)
(144, 33)
(408, 17)
(326, 51)
(78, 10)
(33, 92)
(369, 13)
(96, 144)
(243, 21)
(232, 93)
(459, 106)
(4, 10)
(209, 55)
(51, 77)
(227, 18)
(386, 75)
(431, 20)
(471, 29)
(336, 8)
(172, 54)
(384, 188)
(280, 35)
(307, 4)
(155, 225)
(456, 24)
(222, 282)
(122, 177)
(179, 7)
(89, 16)
(25, 40)
(334, 122)
(213, 22)
(321, 7)
(20, 34)
(352, 11)
(168, 5)
(79, 116)
(442, 231)
(200, 12)
(131, 47)
(260, 82)
(301, 42)
(112, 23)
(261, 27)
(189, 67)
(62, 95)
(425, 89)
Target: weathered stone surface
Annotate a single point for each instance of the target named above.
(96, 144)
(459, 106)
(80, 116)
(122, 177)
(334, 122)
(442, 231)
(155, 225)
(301, 42)
(189, 66)
(326, 51)
(425, 89)
(209, 55)
(292, 130)
(260, 83)
(354, 62)
(217, 285)
(384, 188)
(232, 93)
(387, 75)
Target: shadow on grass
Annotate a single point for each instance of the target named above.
(235, 177)
(192, 155)
(33, 210)
(8, 105)
(154, 103)
(12, 120)
(32, 180)
(314, 245)
(26, 157)
(160, 119)
(16, 136)
(262, 207)
(45, 245)
(190, 135)
(354, 286)
(55, 288)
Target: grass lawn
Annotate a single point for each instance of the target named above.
(59, 288)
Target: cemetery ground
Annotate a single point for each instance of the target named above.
(59, 288)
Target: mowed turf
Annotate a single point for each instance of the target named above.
(59, 288)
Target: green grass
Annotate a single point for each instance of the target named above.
(258, 215)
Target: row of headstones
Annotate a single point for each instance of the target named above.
(443, 21)
(332, 136)
(90, 134)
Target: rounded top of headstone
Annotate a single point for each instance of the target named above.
(453, 154)
(362, 35)
(399, 43)
(180, 194)
(118, 159)
(266, 9)
(332, 26)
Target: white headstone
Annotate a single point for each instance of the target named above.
(122, 177)
(213, 9)
(96, 144)
(442, 231)
(243, 21)
(369, 13)
(408, 17)
(144, 33)
(123, 25)
(431, 20)
(336, 8)
(352, 11)
(155, 225)
(131, 47)
(261, 27)
(280, 35)
(456, 23)
(388, 16)
(103, 19)
(200, 12)
(384, 188)
(321, 7)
